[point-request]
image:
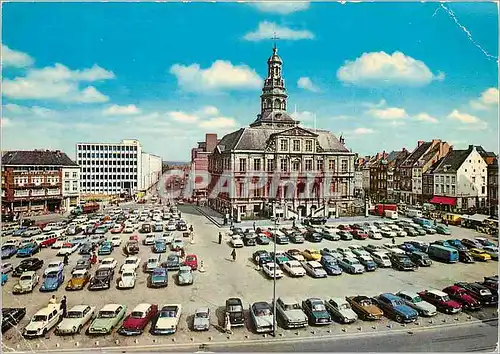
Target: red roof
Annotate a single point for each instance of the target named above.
(444, 200)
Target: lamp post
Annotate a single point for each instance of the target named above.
(274, 276)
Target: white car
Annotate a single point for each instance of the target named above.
(270, 268)
(374, 235)
(43, 321)
(128, 229)
(109, 263)
(67, 248)
(131, 262)
(236, 241)
(149, 240)
(346, 252)
(7, 267)
(76, 318)
(116, 241)
(116, 228)
(168, 237)
(315, 269)
(151, 264)
(127, 279)
(356, 247)
(171, 226)
(53, 266)
(168, 319)
(177, 244)
(393, 248)
(61, 240)
(294, 268)
(382, 259)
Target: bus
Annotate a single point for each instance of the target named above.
(442, 253)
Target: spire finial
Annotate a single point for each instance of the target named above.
(275, 49)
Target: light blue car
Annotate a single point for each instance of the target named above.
(52, 281)
(5, 277)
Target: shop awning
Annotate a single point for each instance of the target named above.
(444, 200)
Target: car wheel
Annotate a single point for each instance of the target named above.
(399, 319)
(44, 333)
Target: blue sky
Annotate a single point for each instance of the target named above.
(384, 75)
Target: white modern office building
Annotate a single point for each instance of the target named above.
(114, 168)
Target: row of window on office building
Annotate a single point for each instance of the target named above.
(295, 165)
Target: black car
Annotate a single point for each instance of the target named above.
(234, 306)
(173, 262)
(30, 264)
(181, 226)
(296, 237)
(465, 256)
(480, 292)
(345, 235)
(249, 239)
(282, 239)
(11, 317)
(491, 283)
(402, 262)
(101, 279)
(86, 248)
(421, 259)
(317, 220)
(314, 236)
(260, 254)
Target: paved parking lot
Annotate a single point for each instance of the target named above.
(224, 278)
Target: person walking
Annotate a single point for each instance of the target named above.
(393, 241)
(254, 226)
(191, 229)
(220, 238)
(63, 305)
(66, 259)
(233, 254)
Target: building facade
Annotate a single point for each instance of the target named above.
(460, 181)
(38, 181)
(276, 167)
(115, 168)
(199, 165)
(492, 187)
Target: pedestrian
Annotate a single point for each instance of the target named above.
(66, 260)
(254, 226)
(191, 229)
(52, 300)
(63, 305)
(293, 223)
(435, 223)
(220, 238)
(227, 323)
(233, 254)
(393, 241)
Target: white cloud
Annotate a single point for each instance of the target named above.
(222, 75)
(219, 122)
(58, 83)
(17, 110)
(303, 116)
(390, 113)
(116, 110)
(380, 68)
(425, 117)
(209, 111)
(463, 117)
(182, 117)
(306, 84)
(266, 30)
(14, 58)
(380, 104)
(4, 122)
(281, 7)
(489, 98)
(363, 131)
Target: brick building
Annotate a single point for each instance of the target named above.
(199, 165)
(492, 187)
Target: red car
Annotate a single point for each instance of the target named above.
(48, 241)
(138, 319)
(344, 228)
(461, 296)
(117, 229)
(133, 238)
(192, 261)
(359, 234)
(441, 300)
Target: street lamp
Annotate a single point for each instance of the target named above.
(274, 277)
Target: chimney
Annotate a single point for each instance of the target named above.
(471, 147)
(420, 142)
(435, 141)
(210, 142)
(404, 149)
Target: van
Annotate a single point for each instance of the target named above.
(413, 213)
(391, 214)
(382, 259)
(452, 219)
(442, 253)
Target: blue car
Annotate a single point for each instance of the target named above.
(106, 249)
(330, 265)
(160, 246)
(20, 231)
(459, 246)
(408, 247)
(8, 251)
(5, 277)
(396, 308)
(52, 281)
(368, 262)
(28, 250)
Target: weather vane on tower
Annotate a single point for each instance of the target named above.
(274, 38)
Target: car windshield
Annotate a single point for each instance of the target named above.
(152, 260)
(78, 275)
(344, 307)
(130, 261)
(52, 275)
(128, 274)
(190, 259)
(39, 318)
(201, 315)
(25, 278)
(137, 314)
(235, 308)
(185, 271)
(365, 302)
(263, 312)
(74, 314)
(445, 298)
(292, 307)
(106, 262)
(106, 314)
(318, 307)
(166, 314)
(398, 303)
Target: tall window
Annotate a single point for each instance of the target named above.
(295, 166)
(284, 145)
(319, 165)
(309, 145)
(343, 166)
(256, 164)
(270, 165)
(309, 164)
(296, 145)
(331, 165)
(243, 165)
(284, 165)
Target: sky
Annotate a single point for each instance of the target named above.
(382, 75)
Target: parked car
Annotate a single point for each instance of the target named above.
(191, 261)
(331, 252)
(109, 263)
(158, 278)
(234, 306)
(26, 283)
(76, 318)
(365, 307)
(31, 264)
(479, 254)
(316, 311)
(294, 268)
(28, 250)
(68, 248)
(480, 292)
(262, 239)
(415, 301)
(79, 278)
(53, 280)
(441, 300)
(8, 251)
(311, 255)
(201, 319)
(345, 235)
(295, 254)
(43, 321)
(330, 265)
(11, 316)
(461, 296)
(101, 279)
(262, 317)
(138, 319)
(108, 318)
(281, 257)
(421, 259)
(359, 234)
(185, 276)
(290, 313)
(374, 235)
(368, 262)
(492, 251)
(382, 259)
(394, 307)
(236, 241)
(127, 279)
(314, 236)
(272, 270)
(402, 262)
(173, 262)
(257, 255)
(314, 269)
(351, 265)
(340, 309)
